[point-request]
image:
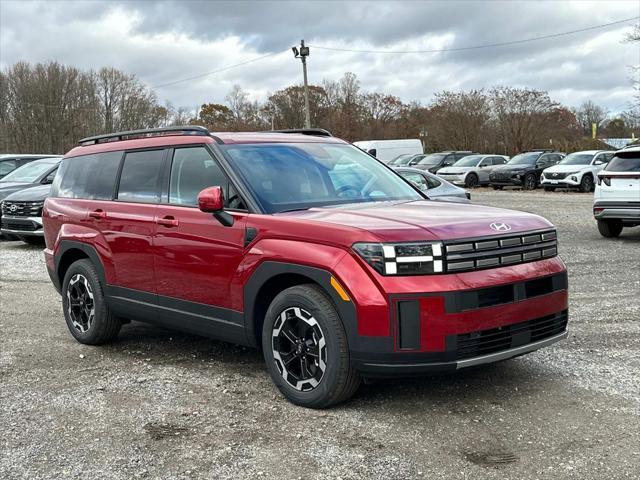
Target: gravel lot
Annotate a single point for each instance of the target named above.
(161, 404)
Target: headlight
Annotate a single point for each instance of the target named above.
(542, 176)
(419, 258)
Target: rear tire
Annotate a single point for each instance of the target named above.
(86, 312)
(586, 184)
(471, 181)
(306, 350)
(610, 228)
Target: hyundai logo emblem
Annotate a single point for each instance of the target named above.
(500, 227)
(13, 208)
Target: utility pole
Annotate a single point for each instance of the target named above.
(302, 54)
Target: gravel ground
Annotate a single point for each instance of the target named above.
(161, 404)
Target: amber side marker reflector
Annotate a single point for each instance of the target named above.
(338, 288)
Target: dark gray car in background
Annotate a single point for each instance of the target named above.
(33, 174)
(9, 161)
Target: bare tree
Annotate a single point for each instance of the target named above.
(589, 113)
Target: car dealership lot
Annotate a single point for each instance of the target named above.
(161, 404)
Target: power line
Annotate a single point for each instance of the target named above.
(477, 47)
(229, 67)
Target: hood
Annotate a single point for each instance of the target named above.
(32, 194)
(7, 188)
(423, 219)
(565, 168)
(512, 168)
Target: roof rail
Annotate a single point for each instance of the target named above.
(319, 132)
(540, 150)
(147, 132)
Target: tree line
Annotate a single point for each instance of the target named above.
(47, 108)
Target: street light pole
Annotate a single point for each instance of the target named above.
(302, 54)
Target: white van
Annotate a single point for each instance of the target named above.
(387, 150)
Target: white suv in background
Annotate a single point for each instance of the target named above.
(576, 170)
(616, 202)
(472, 170)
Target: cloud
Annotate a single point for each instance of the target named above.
(166, 41)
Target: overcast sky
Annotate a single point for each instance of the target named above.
(165, 41)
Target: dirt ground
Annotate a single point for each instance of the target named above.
(161, 404)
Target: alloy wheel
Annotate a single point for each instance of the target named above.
(299, 348)
(530, 182)
(80, 304)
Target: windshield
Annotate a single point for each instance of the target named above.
(29, 173)
(433, 159)
(297, 176)
(524, 159)
(468, 161)
(577, 159)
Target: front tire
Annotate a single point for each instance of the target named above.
(529, 182)
(471, 181)
(86, 312)
(610, 228)
(305, 347)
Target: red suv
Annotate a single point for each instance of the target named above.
(300, 244)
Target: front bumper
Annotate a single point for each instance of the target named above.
(22, 226)
(446, 322)
(510, 182)
(385, 368)
(455, 179)
(567, 182)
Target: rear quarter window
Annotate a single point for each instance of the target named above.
(87, 176)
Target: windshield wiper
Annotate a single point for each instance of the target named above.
(299, 209)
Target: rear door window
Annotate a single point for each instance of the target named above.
(140, 179)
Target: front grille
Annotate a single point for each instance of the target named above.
(500, 176)
(491, 252)
(485, 342)
(22, 209)
(19, 226)
(556, 175)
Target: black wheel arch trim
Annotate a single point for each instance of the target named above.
(271, 269)
(88, 250)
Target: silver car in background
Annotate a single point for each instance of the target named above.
(435, 188)
(472, 170)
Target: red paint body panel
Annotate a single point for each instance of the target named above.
(196, 259)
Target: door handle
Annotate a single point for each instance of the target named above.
(167, 221)
(98, 214)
